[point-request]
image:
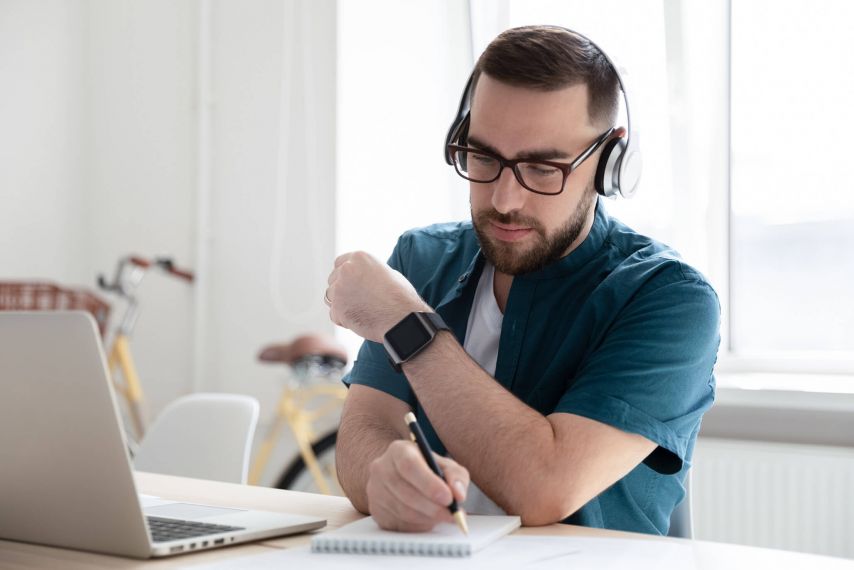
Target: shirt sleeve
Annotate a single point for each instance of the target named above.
(652, 373)
(372, 367)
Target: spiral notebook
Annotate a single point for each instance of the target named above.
(366, 537)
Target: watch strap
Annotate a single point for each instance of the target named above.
(436, 321)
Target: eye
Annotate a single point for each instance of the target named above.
(539, 170)
(482, 159)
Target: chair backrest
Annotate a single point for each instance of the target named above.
(207, 436)
(681, 521)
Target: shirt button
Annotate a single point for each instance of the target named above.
(463, 277)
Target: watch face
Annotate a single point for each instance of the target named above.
(407, 336)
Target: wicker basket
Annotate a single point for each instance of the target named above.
(44, 296)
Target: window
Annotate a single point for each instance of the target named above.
(792, 199)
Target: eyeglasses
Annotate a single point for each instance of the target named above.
(538, 176)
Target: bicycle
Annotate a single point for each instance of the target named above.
(312, 391)
(129, 273)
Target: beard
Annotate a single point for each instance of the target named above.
(548, 248)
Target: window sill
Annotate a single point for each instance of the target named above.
(783, 408)
(786, 391)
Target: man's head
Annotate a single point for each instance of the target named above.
(544, 93)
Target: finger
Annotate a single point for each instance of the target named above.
(341, 259)
(384, 517)
(333, 316)
(414, 500)
(413, 468)
(390, 495)
(390, 520)
(410, 513)
(333, 275)
(456, 476)
(380, 511)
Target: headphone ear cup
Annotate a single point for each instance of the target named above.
(606, 180)
(463, 139)
(457, 134)
(461, 122)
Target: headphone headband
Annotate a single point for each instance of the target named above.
(620, 163)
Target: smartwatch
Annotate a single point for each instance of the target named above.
(410, 336)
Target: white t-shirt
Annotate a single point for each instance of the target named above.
(482, 337)
(484, 327)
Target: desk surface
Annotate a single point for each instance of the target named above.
(337, 511)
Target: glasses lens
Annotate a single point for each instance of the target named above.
(476, 167)
(541, 177)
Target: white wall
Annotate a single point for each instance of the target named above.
(100, 147)
(139, 182)
(272, 201)
(40, 130)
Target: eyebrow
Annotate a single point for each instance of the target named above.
(536, 154)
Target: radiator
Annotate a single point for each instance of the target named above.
(792, 497)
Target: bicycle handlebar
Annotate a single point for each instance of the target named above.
(125, 283)
(164, 263)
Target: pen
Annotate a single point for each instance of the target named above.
(418, 437)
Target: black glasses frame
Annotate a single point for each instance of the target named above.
(565, 168)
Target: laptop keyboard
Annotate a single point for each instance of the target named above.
(165, 530)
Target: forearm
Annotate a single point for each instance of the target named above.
(362, 437)
(507, 446)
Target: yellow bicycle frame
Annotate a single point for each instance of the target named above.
(292, 410)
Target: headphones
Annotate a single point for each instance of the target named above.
(619, 168)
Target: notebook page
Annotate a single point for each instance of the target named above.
(366, 537)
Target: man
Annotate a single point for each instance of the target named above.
(578, 363)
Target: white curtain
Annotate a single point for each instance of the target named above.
(402, 67)
(271, 221)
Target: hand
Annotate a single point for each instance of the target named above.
(368, 297)
(405, 495)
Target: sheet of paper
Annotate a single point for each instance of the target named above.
(541, 553)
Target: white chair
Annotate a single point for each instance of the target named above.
(207, 436)
(681, 521)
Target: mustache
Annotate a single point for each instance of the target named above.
(512, 218)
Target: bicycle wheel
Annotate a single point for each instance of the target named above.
(297, 477)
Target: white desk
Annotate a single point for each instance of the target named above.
(337, 511)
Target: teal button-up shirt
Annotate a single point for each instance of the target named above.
(621, 331)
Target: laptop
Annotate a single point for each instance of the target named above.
(65, 476)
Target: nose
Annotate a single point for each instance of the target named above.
(508, 195)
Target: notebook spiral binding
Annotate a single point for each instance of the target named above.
(339, 546)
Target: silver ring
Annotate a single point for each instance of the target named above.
(326, 298)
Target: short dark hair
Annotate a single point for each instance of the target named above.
(549, 58)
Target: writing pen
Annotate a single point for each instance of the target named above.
(421, 441)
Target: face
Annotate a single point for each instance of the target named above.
(521, 231)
